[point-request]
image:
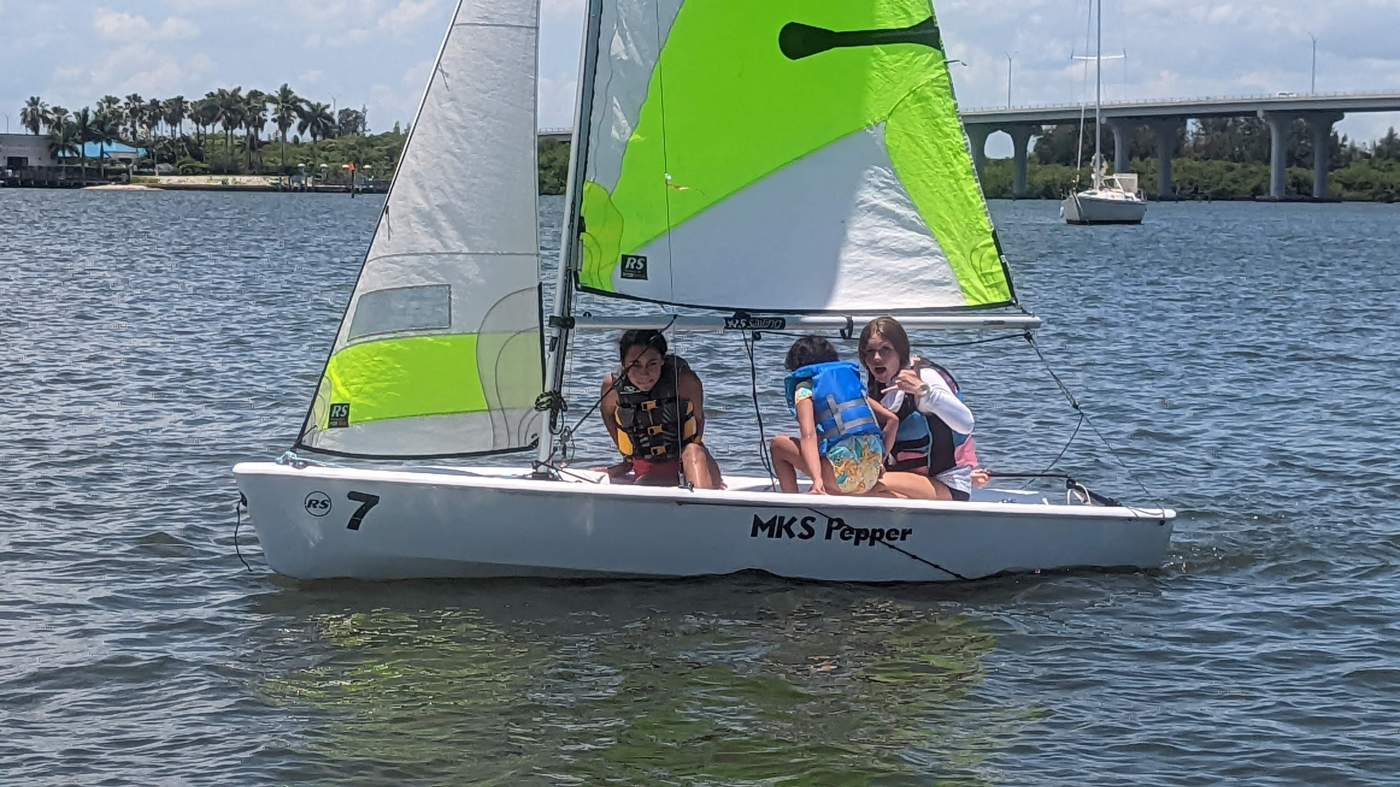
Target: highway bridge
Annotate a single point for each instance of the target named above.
(1166, 117)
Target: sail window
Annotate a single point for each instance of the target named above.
(401, 309)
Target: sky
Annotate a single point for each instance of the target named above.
(377, 53)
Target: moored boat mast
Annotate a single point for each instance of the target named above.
(1098, 97)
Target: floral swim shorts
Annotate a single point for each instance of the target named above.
(857, 461)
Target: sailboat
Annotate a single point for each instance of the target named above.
(775, 166)
(1112, 198)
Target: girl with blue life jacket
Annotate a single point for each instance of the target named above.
(934, 444)
(844, 433)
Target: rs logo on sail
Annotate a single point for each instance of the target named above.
(834, 529)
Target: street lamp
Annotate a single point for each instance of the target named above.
(7, 121)
(1009, 57)
(950, 61)
(1313, 89)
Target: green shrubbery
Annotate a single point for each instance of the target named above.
(1365, 180)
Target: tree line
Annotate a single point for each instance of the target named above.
(1219, 158)
(221, 133)
(1216, 158)
(227, 131)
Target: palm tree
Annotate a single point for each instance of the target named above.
(316, 121)
(254, 121)
(58, 116)
(175, 110)
(286, 106)
(63, 140)
(82, 125)
(34, 114)
(106, 129)
(205, 113)
(109, 105)
(135, 111)
(231, 110)
(154, 114)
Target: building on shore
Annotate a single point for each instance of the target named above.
(115, 152)
(23, 151)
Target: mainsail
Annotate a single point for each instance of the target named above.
(783, 155)
(439, 352)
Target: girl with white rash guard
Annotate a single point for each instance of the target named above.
(934, 453)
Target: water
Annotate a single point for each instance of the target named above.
(1240, 357)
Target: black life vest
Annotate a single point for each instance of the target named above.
(924, 444)
(650, 424)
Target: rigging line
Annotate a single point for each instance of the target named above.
(617, 380)
(237, 524)
(750, 339)
(1085, 415)
(571, 473)
(680, 413)
(1083, 88)
(665, 153)
(940, 345)
(901, 551)
(1053, 462)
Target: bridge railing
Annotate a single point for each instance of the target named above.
(1157, 102)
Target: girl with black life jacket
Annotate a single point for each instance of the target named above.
(934, 447)
(844, 433)
(654, 409)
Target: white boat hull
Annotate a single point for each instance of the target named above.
(501, 523)
(1083, 208)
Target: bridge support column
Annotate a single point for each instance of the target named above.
(1020, 141)
(977, 139)
(1279, 125)
(1168, 134)
(1320, 124)
(1122, 143)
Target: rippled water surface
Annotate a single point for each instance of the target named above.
(1242, 358)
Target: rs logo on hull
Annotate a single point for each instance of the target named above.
(317, 504)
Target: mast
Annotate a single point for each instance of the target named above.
(560, 320)
(1098, 98)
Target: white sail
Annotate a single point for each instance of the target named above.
(439, 352)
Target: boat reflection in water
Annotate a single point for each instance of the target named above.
(741, 680)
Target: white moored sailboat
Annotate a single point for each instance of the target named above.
(786, 165)
(1112, 199)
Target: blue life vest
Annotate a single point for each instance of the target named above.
(925, 444)
(838, 400)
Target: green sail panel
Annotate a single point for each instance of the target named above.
(439, 352)
(794, 155)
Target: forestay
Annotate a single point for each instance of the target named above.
(784, 155)
(439, 351)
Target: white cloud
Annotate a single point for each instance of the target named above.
(560, 10)
(556, 100)
(121, 26)
(406, 15)
(344, 48)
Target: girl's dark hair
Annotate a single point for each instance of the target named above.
(809, 350)
(890, 329)
(640, 338)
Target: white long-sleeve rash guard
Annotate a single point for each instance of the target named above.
(940, 401)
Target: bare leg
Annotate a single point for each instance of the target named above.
(829, 478)
(913, 486)
(714, 471)
(787, 455)
(700, 468)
